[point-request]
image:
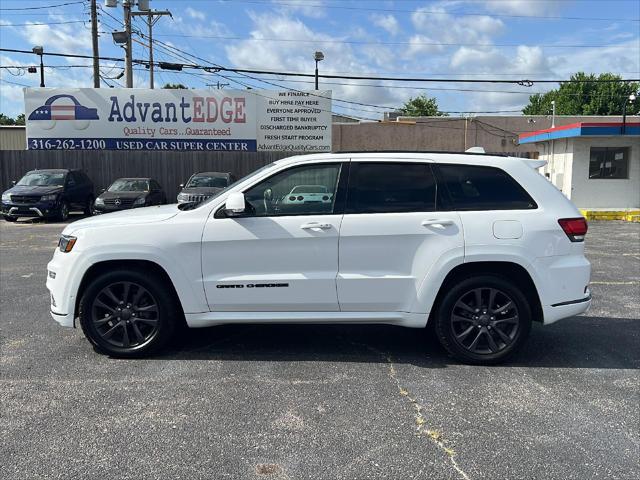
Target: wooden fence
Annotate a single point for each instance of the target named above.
(103, 167)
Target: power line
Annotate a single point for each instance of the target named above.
(436, 12)
(39, 24)
(362, 42)
(42, 6)
(331, 76)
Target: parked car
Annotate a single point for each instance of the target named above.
(127, 193)
(204, 185)
(49, 193)
(480, 245)
(308, 194)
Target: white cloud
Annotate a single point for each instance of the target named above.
(314, 9)
(58, 38)
(298, 56)
(435, 22)
(386, 22)
(195, 14)
(522, 7)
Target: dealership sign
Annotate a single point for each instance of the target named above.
(166, 119)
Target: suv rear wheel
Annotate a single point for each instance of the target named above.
(126, 314)
(483, 320)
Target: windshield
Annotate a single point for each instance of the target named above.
(41, 179)
(192, 205)
(124, 185)
(208, 181)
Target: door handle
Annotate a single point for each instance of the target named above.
(312, 225)
(434, 221)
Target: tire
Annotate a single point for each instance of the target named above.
(154, 312)
(88, 209)
(63, 214)
(10, 219)
(477, 333)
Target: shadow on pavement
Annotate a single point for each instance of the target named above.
(579, 342)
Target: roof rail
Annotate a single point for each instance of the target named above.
(425, 151)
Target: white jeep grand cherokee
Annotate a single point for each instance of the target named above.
(478, 244)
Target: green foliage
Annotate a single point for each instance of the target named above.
(422, 106)
(177, 86)
(586, 98)
(5, 120)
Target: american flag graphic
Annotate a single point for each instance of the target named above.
(63, 112)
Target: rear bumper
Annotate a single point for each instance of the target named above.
(553, 313)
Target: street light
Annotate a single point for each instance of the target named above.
(630, 99)
(38, 50)
(318, 57)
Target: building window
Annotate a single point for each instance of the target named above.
(609, 162)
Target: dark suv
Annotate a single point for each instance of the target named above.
(204, 185)
(48, 194)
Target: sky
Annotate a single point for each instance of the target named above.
(457, 39)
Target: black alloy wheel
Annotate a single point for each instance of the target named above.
(483, 320)
(128, 314)
(88, 208)
(63, 215)
(125, 314)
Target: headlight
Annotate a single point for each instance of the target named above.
(66, 243)
(99, 201)
(49, 198)
(140, 201)
(6, 197)
(182, 197)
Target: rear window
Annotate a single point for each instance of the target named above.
(390, 187)
(474, 187)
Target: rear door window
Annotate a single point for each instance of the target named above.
(473, 187)
(379, 187)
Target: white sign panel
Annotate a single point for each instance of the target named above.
(166, 119)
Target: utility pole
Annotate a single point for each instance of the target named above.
(151, 18)
(94, 41)
(128, 63)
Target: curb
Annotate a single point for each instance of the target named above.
(625, 215)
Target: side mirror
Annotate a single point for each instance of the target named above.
(102, 190)
(13, 182)
(235, 205)
(181, 185)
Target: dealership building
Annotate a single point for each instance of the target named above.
(595, 164)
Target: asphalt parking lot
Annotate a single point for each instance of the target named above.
(321, 402)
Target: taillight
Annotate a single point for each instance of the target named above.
(575, 228)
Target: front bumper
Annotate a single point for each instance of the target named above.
(61, 287)
(32, 210)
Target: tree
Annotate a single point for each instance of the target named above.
(5, 120)
(422, 106)
(582, 97)
(177, 86)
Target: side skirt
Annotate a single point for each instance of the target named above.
(403, 319)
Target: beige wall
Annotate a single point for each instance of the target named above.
(12, 138)
(496, 134)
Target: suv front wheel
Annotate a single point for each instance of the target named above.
(125, 313)
(483, 320)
